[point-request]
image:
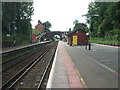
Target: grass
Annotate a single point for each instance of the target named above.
(103, 41)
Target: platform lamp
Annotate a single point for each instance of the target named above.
(88, 38)
(14, 28)
(8, 35)
(94, 15)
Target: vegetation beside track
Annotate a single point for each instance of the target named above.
(104, 41)
(9, 57)
(104, 25)
(16, 23)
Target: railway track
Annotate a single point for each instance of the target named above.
(18, 52)
(42, 63)
(14, 61)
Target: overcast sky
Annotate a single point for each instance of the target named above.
(60, 13)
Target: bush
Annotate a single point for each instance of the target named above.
(104, 41)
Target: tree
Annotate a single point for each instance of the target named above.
(80, 26)
(107, 25)
(75, 22)
(69, 29)
(20, 13)
(47, 24)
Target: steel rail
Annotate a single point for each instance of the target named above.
(21, 54)
(21, 48)
(28, 69)
(22, 72)
(16, 58)
(46, 69)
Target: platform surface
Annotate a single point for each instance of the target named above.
(63, 73)
(8, 49)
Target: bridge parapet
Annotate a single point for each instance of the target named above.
(60, 33)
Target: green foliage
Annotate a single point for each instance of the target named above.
(80, 26)
(104, 41)
(47, 24)
(17, 14)
(75, 22)
(36, 32)
(69, 29)
(107, 24)
(55, 38)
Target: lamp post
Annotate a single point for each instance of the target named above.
(14, 30)
(88, 34)
(8, 35)
(88, 38)
(89, 44)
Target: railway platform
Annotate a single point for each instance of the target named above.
(63, 73)
(8, 49)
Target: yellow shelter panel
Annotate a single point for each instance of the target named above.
(75, 40)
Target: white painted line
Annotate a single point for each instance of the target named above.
(16, 48)
(106, 67)
(106, 45)
(94, 50)
(109, 69)
(106, 60)
(49, 83)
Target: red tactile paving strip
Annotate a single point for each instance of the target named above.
(73, 78)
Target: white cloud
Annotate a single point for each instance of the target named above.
(60, 13)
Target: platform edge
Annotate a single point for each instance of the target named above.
(50, 79)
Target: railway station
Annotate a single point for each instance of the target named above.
(59, 44)
(53, 65)
(62, 74)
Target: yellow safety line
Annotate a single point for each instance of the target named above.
(80, 77)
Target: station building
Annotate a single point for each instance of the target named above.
(39, 27)
(77, 37)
